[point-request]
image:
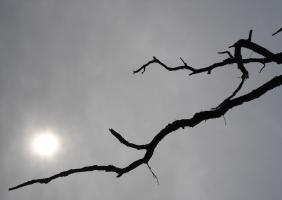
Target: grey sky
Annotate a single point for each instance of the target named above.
(67, 65)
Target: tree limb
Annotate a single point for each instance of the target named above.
(196, 119)
(208, 69)
(226, 105)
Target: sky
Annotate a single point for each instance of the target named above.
(67, 66)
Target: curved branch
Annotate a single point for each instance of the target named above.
(125, 142)
(196, 119)
(155, 60)
(208, 69)
(243, 43)
(106, 168)
(226, 105)
(226, 52)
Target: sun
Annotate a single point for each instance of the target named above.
(45, 143)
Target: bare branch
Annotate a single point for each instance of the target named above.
(262, 68)
(226, 52)
(228, 61)
(278, 31)
(157, 61)
(125, 142)
(108, 168)
(235, 91)
(196, 119)
(250, 35)
(226, 105)
(224, 120)
(185, 64)
(154, 175)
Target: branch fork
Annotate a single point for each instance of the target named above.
(227, 104)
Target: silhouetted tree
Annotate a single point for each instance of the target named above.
(227, 104)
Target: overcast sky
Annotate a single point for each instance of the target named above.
(67, 65)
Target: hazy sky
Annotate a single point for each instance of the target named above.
(67, 65)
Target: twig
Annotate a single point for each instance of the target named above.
(154, 175)
(278, 31)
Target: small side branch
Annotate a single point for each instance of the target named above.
(154, 175)
(226, 52)
(224, 120)
(262, 68)
(142, 69)
(278, 31)
(125, 142)
(250, 35)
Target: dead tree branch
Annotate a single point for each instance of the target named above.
(227, 104)
(278, 31)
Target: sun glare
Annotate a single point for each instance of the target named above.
(45, 144)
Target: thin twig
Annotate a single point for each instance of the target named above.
(224, 120)
(278, 31)
(154, 175)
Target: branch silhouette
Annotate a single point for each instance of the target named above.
(278, 31)
(227, 104)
